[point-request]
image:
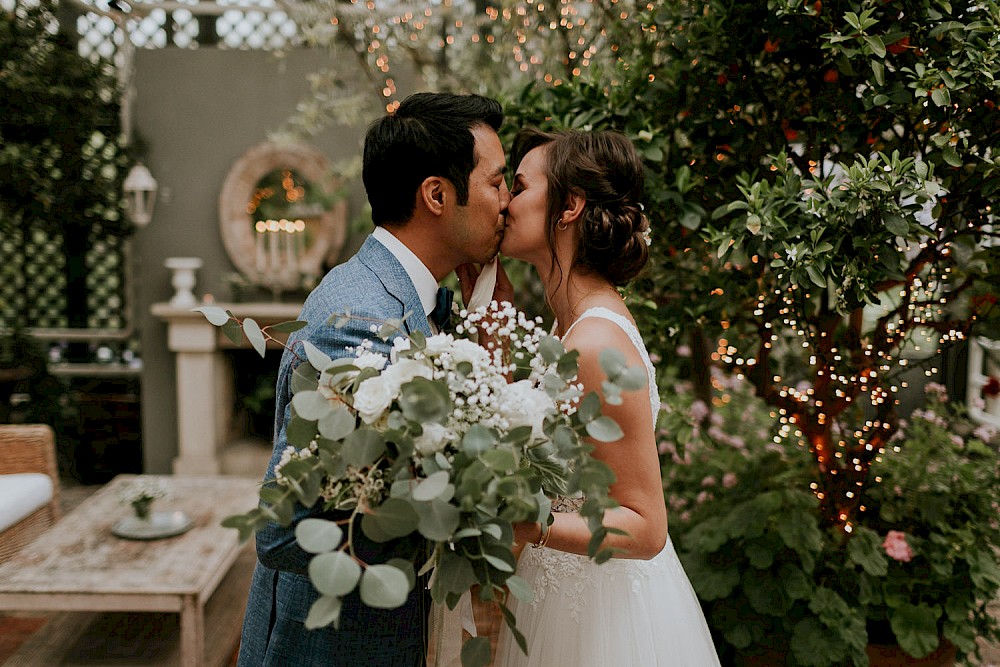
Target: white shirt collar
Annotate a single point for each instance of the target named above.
(420, 275)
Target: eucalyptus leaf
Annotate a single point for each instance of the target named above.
(288, 327)
(612, 362)
(362, 447)
(324, 611)
(337, 423)
(406, 567)
(233, 331)
(304, 378)
(256, 337)
(310, 405)
(550, 349)
(589, 408)
(499, 460)
(395, 517)
(454, 574)
(633, 378)
(425, 401)
(476, 652)
(520, 588)
(499, 564)
(477, 440)
(384, 587)
(300, 432)
(433, 486)
(438, 519)
(318, 536)
(317, 358)
(334, 574)
(213, 314)
(604, 429)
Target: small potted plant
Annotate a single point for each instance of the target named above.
(910, 581)
(141, 494)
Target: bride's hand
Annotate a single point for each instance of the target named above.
(467, 275)
(525, 534)
(504, 290)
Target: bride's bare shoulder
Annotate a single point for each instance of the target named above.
(592, 334)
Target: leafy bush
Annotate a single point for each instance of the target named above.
(919, 565)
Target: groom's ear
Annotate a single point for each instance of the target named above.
(573, 208)
(433, 194)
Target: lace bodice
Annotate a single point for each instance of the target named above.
(633, 334)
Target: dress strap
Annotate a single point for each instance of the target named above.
(633, 333)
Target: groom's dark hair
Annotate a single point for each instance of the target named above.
(428, 135)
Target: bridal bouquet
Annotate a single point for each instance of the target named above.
(446, 438)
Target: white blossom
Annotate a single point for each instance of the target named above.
(374, 396)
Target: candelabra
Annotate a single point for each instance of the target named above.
(280, 245)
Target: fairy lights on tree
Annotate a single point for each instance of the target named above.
(462, 45)
(821, 185)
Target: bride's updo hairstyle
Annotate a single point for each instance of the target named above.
(604, 167)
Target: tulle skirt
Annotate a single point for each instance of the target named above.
(624, 613)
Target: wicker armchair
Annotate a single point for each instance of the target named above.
(28, 448)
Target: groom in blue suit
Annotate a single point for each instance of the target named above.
(434, 175)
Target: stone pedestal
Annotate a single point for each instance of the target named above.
(205, 379)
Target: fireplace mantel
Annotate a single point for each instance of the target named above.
(205, 379)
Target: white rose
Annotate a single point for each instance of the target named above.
(521, 404)
(405, 370)
(433, 439)
(466, 350)
(399, 344)
(371, 360)
(374, 396)
(439, 343)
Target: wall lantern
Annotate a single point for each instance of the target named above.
(140, 190)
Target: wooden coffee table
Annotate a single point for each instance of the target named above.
(78, 565)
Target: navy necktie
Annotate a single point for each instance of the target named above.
(441, 315)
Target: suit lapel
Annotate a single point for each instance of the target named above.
(396, 282)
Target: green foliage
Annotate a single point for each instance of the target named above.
(451, 441)
(62, 156)
(773, 576)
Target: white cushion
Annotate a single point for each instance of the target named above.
(22, 494)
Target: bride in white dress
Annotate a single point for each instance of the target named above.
(575, 215)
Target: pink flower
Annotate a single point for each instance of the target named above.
(698, 411)
(729, 480)
(896, 546)
(937, 391)
(708, 481)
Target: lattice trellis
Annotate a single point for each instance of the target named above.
(203, 25)
(33, 266)
(33, 282)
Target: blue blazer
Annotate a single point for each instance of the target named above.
(371, 284)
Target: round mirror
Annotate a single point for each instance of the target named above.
(281, 215)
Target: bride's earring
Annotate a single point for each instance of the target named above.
(561, 226)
